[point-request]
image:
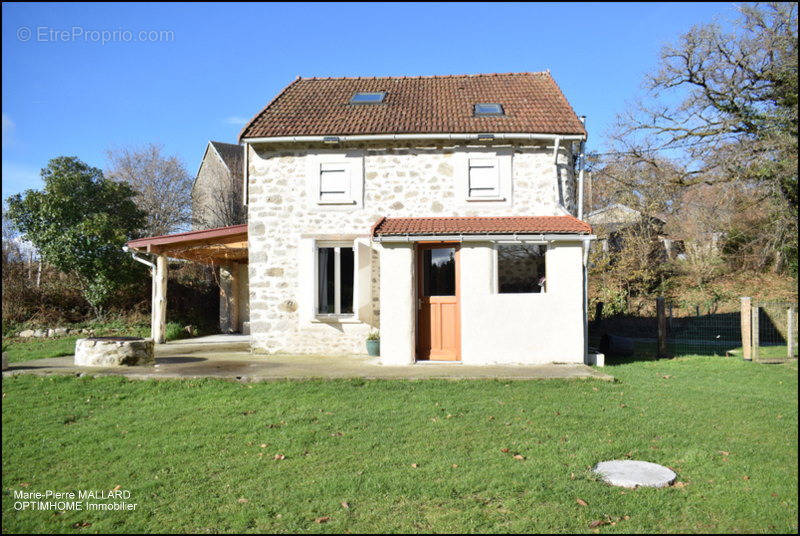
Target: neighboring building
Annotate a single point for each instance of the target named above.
(613, 221)
(217, 190)
(441, 210)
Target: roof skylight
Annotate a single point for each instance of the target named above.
(367, 97)
(488, 109)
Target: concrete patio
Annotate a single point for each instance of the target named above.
(229, 357)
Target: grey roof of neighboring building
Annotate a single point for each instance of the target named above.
(233, 156)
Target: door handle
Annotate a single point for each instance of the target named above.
(419, 304)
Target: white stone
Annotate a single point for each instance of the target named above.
(114, 352)
(26, 333)
(5, 361)
(633, 473)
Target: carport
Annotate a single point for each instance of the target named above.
(225, 247)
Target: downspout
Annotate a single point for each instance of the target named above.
(152, 265)
(246, 185)
(586, 245)
(582, 158)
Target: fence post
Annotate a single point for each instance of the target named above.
(754, 328)
(790, 332)
(747, 331)
(598, 312)
(662, 327)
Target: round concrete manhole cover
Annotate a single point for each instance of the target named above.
(633, 473)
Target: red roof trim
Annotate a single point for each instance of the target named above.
(481, 225)
(189, 236)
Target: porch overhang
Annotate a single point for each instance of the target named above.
(209, 246)
(482, 229)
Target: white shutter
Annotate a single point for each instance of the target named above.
(484, 178)
(334, 183)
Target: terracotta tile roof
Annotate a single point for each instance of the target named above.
(481, 225)
(533, 103)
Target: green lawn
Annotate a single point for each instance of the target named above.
(19, 349)
(416, 456)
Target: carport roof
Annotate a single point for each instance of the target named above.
(209, 246)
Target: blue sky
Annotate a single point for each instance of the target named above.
(221, 63)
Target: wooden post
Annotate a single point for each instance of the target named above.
(158, 322)
(669, 324)
(747, 330)
(790, 342)
(662, 327)
(754, 327)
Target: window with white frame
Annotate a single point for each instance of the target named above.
(521, 268)
(335, 183)
(335, 278)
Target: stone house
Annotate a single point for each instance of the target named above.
(443, 211)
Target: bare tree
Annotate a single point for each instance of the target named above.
(724, 105)
(162, 184)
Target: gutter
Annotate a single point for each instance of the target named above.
(144, 261)
(489, 238)
(395, 137)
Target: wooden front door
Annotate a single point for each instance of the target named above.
(438, 312)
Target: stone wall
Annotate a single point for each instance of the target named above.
(399, 181)
(216, 194)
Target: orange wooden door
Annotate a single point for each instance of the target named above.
(438, 312)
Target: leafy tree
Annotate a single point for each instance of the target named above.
(78, 223)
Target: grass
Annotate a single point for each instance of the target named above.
(198, 455)
(24, 349)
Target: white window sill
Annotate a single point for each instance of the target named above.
(335, 319)
(351, 202)
(497, 198)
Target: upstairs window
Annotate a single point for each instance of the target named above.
(484, 179)
(521, 268)
(368, 97)
(487, 109)
(335, 180)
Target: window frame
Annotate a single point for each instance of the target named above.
(354, 102)
(504, 165)
(337, 246)
(500, 113)
(353, 162)
(496, 267)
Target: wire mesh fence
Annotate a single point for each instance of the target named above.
(692, 328)
(774, 326)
